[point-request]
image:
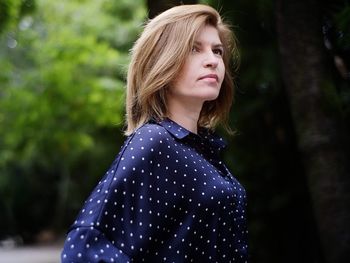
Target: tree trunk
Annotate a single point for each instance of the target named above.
(156, 7)
(305, 76)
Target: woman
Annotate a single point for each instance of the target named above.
(168, 197)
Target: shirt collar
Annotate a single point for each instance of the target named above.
(213, 138)
(180, 132)
(175, 129)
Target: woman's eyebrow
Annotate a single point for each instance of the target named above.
(218, 45)
(199, 43)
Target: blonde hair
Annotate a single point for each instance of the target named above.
(159, 54)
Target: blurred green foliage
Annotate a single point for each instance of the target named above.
(62, 78)
(12, 10)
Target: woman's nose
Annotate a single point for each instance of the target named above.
(211, 60)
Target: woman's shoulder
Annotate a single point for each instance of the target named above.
(150, 133)
(151, 129)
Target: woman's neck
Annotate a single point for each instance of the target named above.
(185, 115)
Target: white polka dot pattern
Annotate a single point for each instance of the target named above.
(166, 198)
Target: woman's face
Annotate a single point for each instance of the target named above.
(201, 77)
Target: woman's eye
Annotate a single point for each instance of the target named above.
(195, 49)
(218, 51)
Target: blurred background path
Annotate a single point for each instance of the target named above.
(31, 254)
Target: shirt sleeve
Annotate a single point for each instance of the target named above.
(88, 244)
(133, 207)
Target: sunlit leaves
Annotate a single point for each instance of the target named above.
(62, 87)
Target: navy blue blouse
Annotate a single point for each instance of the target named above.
(167, 197)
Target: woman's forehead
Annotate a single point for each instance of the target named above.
(208, 35)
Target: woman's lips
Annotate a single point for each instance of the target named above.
(210, 77)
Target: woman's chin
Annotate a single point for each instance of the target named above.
(211, 96)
